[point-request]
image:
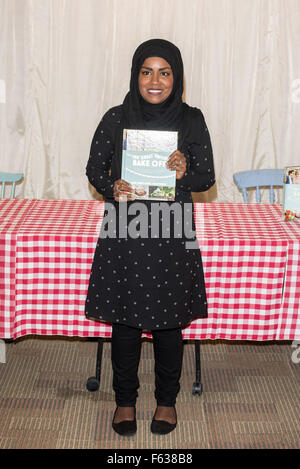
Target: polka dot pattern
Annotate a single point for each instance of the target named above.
(151, 283)
(146, 283)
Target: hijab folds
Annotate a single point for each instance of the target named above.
(164, 116)
(172, 114)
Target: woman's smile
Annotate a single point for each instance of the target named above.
(155, 80)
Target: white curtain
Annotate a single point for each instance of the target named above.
(63, 63)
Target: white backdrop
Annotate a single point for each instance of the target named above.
(63, 63)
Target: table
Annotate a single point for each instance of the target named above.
(251, 261)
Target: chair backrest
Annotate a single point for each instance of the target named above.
(259, 178)
(9, 177)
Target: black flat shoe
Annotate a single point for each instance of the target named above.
(161, 427)
(126, 427)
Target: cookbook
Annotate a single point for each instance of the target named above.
(291, 188)
(144, 157)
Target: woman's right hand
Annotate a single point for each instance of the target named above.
(123, 191)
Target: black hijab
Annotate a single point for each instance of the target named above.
(138, 113)
(172, 114)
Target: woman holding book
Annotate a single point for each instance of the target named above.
(143, 282)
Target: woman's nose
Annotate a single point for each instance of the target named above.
(155, 77)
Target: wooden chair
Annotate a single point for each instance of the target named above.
(8, 178)
(259, 178)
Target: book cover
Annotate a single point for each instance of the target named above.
(144, 157)
(291, 187)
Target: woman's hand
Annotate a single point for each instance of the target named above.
(177, 162)
(123, 191)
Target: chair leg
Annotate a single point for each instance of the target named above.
(2, 351)
(93, 382)
(197, 386)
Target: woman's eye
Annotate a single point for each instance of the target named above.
(145, 72)
(165, 74)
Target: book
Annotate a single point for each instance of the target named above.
(144, 157)
(291, 206)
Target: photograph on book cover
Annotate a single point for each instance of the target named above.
(291, 187)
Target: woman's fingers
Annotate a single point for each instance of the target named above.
(177, 162)
(121, 185)
(123, 191)
(125, 196)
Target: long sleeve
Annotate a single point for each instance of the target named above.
(101, 153)
(200, 174)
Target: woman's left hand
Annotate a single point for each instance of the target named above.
(177, 162)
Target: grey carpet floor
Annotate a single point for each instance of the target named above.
(250, 397)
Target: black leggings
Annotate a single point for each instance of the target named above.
(125, 355)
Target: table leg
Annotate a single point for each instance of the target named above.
(2, 351)
(93, 382)
(197, 386)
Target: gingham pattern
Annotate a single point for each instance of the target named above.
(255, 243)
(63, 217)
(55, 250)
(290, 315)
(7, 284)
(244, 256)
(51, 283)
(245, 248)
(12, 212)
(289, 327)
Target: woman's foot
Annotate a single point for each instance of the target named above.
(164, 420)
(124, 421)
(124, 413)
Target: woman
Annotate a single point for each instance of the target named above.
(296, 179)
(149, 283)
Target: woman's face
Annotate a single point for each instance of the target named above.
(155, 80)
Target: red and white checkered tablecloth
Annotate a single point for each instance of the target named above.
(12, 212)
(250, 256)
(251, 261)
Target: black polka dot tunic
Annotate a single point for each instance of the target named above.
(152, 280)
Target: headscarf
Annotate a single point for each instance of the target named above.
(138, 113)
(172, 114)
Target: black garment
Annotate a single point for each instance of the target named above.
(125, 355)
(149, 283)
